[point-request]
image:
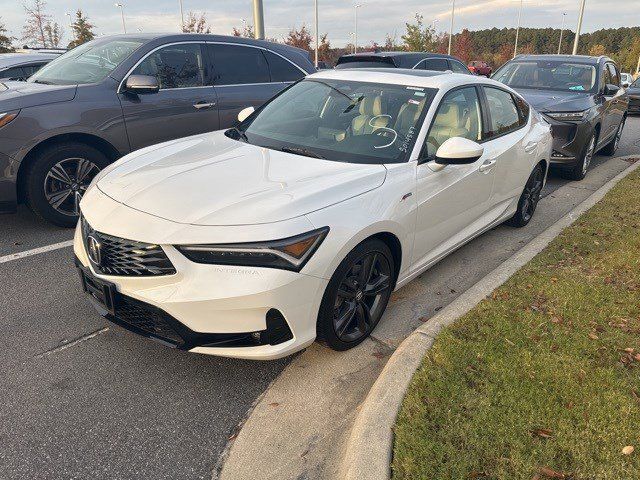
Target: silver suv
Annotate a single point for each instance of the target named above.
(117, 94)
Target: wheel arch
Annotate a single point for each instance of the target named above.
(86, 138)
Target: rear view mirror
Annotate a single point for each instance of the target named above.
(458, 151)
(610, 90)
(244, 113)
(142, 84)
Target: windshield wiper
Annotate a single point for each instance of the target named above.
(43, 82)
(240, 133)
(302, 151)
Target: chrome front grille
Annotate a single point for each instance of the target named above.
(122, 257)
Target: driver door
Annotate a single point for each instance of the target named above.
(453, 201)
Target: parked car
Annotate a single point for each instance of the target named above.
(298, 223)
(20, 66)
(580, 97)
(480, 68)
(626, 79)
(634, 96)
(117, 94)
(413, 60)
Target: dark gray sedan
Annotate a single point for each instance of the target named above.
(117, 94)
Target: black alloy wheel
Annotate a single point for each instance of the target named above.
(357, 296)
(529, 198)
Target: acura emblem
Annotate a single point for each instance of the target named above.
(93, 249)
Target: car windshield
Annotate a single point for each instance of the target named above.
(338, 120)
(636, 83)
(88, 63)
(548, 75)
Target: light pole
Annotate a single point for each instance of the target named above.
(453, 12)
(355, 34)
(515, 49)
(124, 27)
(181, 16)
(71, 25)
(434, 23)
(317, 34)
(258, 20)
(564, 16)
(577, 39)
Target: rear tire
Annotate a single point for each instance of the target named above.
(356, 296)
(529, 199)
(580, 169)
(612, 146)
(58, 178)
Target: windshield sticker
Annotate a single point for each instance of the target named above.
(576, 87)
(414, 102)
(420, 89)
(419, 94)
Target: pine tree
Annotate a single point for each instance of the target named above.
(53, 34)
(5, 40)
(82, 30)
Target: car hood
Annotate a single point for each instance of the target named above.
(211, 179)
(17, 95)
(553, 101)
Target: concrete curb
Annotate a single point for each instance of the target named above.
(368, 454)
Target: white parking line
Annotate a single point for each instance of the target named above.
(64, 346)
(35, 251)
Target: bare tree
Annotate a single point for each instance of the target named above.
(246, 32)
(34, 28)
(196, 24)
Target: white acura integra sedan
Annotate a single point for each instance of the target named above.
(299, 223)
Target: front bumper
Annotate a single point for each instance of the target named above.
(214, 309)
(569, 141)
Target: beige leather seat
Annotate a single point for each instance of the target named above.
(370, 107)
(448, 123)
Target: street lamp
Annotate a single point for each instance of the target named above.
(355, 34)
(453, 12)
(71, 25)
(124, 28)
(317, 34)
(564, 16)
(515, 49)
(181, 16)
(577, 39)
(434, 23)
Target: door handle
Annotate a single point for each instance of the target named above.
(487, 166)
(201, 105)
(530, 147)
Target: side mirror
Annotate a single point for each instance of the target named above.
(610, 90)
(244, 113)
(142, 84)
(458, 151)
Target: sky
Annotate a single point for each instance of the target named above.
(376, 18)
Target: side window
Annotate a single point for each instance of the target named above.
(14, 72)
(615, 76)
(502, 111)
(236, 65)
(282, 70)
(523, 110)
(437, 64)
(458, 115)
(457, 67)
(606, 76)
(31, 69)
(175, 66)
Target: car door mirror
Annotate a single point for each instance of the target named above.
(244, 113)
(458, 151)
(142, 84)
(610, 89)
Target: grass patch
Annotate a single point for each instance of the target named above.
(542, 380)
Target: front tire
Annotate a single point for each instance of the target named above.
(356, 296)
(579, 170)
(611, 147)
(529, 199)
(59, 177)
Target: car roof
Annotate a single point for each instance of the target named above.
(402, 76)
(398, 54)
(13, 59)
(566, 58)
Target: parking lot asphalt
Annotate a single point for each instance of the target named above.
(84, 399)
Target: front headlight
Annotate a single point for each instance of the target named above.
(567, 116)
(7, 117)
(289, 254)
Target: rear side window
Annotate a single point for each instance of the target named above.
(282, 70)
(238, 65)
(175, 66)
(613, 72)
(437, 64)
(457, 67)
(523, 109)
(503, 112)
(14, 72)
